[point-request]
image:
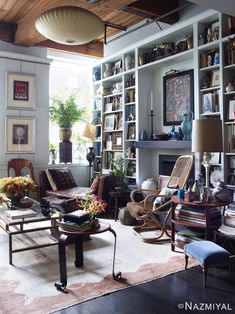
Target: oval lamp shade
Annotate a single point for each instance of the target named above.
(69, 25)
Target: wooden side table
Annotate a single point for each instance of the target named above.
(79, 251)
(118, 195)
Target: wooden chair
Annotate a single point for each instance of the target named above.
(154, 210)
(21, 167)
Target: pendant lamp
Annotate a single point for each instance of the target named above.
(69, 25)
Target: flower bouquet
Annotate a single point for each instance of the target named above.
(16, 188)
(93, 205)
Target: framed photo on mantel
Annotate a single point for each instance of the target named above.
(178, 96)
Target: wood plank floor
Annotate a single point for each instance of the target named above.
(163, 295)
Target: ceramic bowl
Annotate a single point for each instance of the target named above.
(161, 137)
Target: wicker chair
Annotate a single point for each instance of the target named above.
(154, 215)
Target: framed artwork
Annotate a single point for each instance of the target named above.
(109, 122)
(118, 67)
(20, 91)
(207, 103)
(20, 134)
(215, 158)
(131, 132)
(215, 78)
(178, 96)
(231, 115)
(117, 140)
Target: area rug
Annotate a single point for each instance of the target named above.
(28, 286)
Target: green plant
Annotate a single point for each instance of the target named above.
(52, 147)
(66, 113)
(118, 168)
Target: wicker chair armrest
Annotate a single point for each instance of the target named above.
(138, 191)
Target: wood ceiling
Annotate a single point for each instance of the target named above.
(17, 18)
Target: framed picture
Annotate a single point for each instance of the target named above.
(20, 134)
(117, 140)
(109, 122)
(131, 132)
(215, 78)
(20, 91)
(207, 103)
(231, 115)
(215, 158)
(118, 67)
(178, 96)
(109, 106)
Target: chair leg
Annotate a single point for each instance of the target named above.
(204, 272)
(186, 261)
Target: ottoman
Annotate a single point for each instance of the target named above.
(208, 254)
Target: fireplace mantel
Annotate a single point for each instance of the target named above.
(163, 145)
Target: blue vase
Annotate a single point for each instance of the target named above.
(97, 75)
(186, 125)
(143, 135)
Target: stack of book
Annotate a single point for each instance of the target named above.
(188, 236)
(197, 215)
(76, 221)
(228, 226)
(20, 213)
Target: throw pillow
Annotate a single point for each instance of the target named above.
(95, 185)
(60, 178)
(167, 192)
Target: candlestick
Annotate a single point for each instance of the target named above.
(151, 124)
(151, 100)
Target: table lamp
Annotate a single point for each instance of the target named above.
(207, 138)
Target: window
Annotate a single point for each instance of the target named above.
(68, 78)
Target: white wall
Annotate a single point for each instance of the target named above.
(29, 61)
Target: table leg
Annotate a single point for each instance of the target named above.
(10, 248)
(119, 274)
(62, 262)
(78, 251)
(116, 209)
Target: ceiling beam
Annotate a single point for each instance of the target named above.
(92, 49)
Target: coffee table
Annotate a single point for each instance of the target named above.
(28, 225)
(103, 227)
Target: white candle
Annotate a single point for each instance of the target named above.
(151, 101)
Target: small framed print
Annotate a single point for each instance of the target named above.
(215, 78)
(20, 133)
(231, 115)
(20, 91)
(117, 140)
(131, 132)
(215, 158)
(109, 122)
(118, 67)
(207, 103)
(109, 106)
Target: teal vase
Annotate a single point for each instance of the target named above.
(186, 125)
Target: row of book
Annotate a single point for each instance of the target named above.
(198, 215)
(188, 236)
(77, 221)
(228, 226)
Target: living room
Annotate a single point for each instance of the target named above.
(144, 110)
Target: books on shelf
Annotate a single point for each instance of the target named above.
(20, 213)
(227, 229)
(188, 236)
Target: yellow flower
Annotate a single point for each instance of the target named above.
(16, 186)
(93, 205)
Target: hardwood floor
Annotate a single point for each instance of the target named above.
(164, 295)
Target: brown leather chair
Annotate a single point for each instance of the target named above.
(21, 167)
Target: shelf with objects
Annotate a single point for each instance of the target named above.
(134, 91)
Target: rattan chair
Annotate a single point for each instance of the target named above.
(153, 215)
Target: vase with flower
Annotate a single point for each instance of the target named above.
(94, 206)
(15, 189)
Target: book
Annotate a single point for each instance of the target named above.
(78, 216)
(73, 226)
(227, 229)
(20, 213)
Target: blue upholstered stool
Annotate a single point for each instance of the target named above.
(208, 254)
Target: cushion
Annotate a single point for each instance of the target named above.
(207, 252)
(60, 178)
(95, 184)
(167, 192)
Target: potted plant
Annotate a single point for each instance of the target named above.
(65, 114)
(118, 169)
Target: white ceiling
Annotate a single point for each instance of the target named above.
(225, 6)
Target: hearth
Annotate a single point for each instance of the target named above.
(166, 165)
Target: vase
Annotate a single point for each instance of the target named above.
(15, 200)
(97, 75)
(148, 184)
(229, 88)
(186, 125)
(129, 62)
(143, 135)
(108, 70)
(94, 223)
(90, 156)
(65, 134)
